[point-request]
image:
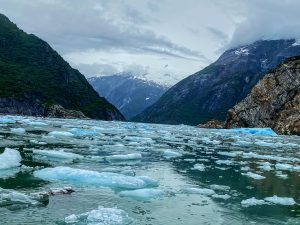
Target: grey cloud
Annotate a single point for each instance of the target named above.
(104, 25)
(268, 19)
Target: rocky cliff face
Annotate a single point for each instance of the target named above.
(130, 94)
(211, 92)
(34, 77)
(274, 102)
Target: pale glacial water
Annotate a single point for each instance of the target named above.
(214, 172)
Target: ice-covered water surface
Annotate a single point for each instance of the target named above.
(145, 174)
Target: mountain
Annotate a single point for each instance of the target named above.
(274, 102)
(35, 80)
(128, 93)
(209, 93)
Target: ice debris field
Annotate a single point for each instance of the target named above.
(80, 172)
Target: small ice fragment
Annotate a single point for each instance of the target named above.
(217, 187)
(143, 194)
(133, 156)
(57, 154)
(60, 134)
(225, 162)
(100, 216)
(200, 191)
(18, 131)
(254, 176)
(225, 196)
(10, 158)
(199, 166)
(37, 123)
(169, 154)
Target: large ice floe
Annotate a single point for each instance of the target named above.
(93, 178)
(56, 155)
(10, 158)
(100, 216)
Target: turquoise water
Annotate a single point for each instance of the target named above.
(207, 181)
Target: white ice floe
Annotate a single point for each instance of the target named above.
(132, 156)
(217, 187)
(280, 200)
(265, 166)
(61, 155)
(143, 194)
(199, 166)
(60, 134)
(88, 177)
(254, 175)
(225, 162)
(169, 154)
(100, 216)
(224, 197)
(288, 167)
(18, 131)
(253, 202)
(10, 158)
(11, 197)
(275, 200)
(37, 123)
(200, 191)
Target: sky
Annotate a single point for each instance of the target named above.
(160, 40)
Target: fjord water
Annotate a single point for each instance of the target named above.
(155, 174)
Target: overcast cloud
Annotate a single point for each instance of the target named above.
(162, 40)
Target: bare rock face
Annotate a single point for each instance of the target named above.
(58, 111)
(216, 124)
(274, 102)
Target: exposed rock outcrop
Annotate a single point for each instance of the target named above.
(274, 102)
(60, 112)
(217, 124)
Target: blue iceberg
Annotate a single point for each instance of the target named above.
(257, 131)
(94, 178)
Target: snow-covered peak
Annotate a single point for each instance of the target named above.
(243, 51)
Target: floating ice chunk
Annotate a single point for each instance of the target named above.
(88, 177)
(82, 132)
(253, 202)
(275, 200)
(265, 166)
(200, 191)
(217, 187)
(133, 156)
(189, 160)
(280, 200)
(143, 194)
(257, 131)
(230, 154)
(100, 216)
(169, 154)
(11, 197)
(4, 120)
(60, 134)
(57, 154)
(37, 123)
(225, 162)
(10, 158)
(18, 131)
(281, 166)
(254, 176)
(199, 166)
(61, 191)
(224, 197)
